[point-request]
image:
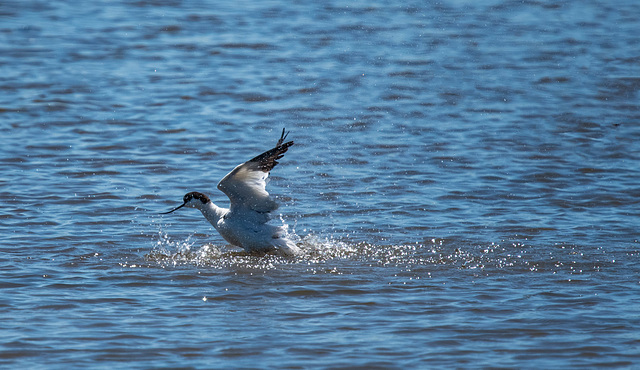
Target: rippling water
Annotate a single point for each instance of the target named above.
(465, 183)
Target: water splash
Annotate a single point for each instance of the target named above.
(319, 251)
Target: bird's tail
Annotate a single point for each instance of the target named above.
(286, 247)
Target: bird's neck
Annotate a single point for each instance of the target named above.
(212, 213)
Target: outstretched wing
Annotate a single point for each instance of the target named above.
(245, 185)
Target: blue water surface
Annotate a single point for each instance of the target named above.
(464, 182)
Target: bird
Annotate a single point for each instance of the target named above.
(244, 223)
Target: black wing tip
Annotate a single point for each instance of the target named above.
(269, 159)
(283, 137)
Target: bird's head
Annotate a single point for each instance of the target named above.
(192, 199)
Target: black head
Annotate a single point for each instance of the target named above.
(194, 195)
(192, 199)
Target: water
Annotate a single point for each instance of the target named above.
(464, 181)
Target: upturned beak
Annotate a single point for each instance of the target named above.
(175, 209)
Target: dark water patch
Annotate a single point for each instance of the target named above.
(255, 46)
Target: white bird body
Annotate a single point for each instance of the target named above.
(244, 223)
